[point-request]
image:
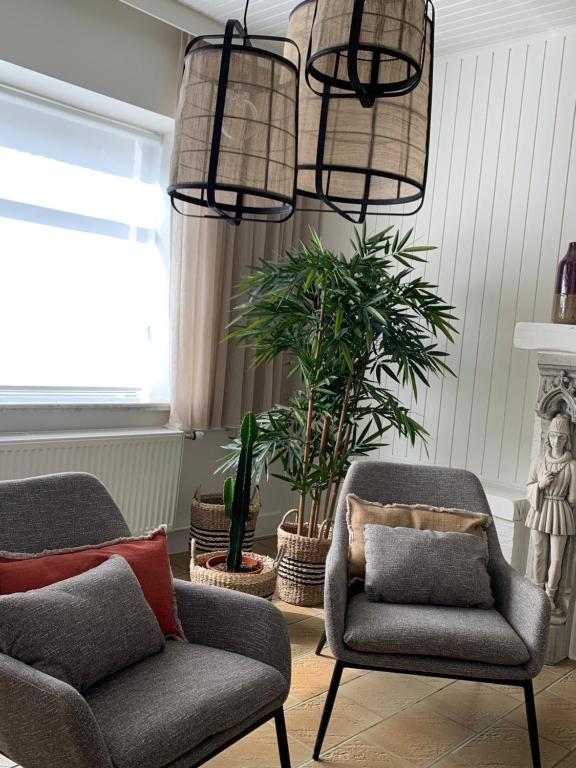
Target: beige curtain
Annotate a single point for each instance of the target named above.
(213, 383)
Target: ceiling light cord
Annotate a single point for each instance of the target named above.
(246, 15)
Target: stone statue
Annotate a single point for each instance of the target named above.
(552, 494)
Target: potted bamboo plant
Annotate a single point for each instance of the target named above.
(236, 569)
(350, 327)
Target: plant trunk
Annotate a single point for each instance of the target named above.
(308, 437)
(336, 456)
(305, 462)
(321, 460)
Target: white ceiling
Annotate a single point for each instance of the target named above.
(460, 23)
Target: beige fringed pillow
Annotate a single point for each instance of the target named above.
(420, 516)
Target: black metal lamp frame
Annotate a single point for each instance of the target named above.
(203, 194)
(340, 666)
(353, 87)
(358, 214)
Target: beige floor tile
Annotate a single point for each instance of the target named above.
(259, 750)
(348, 719)
(452, 761)
(506, 745)
(418, 735)
(294, 613)
(311, 676)
(473, 705)
(304, 635)
(565, 687)
(386, 693)
(556, 719)
(547, 677)
(360, 753)
(568, 762)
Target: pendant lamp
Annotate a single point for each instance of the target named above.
(236, 137)
(352, 158)
(367, 48)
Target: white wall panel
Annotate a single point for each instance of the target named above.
(501, 207)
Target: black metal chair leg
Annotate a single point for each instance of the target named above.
(328, 707)
(532, 723)
(283, 749)
(321, 644)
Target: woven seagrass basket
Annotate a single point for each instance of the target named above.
(303, 566)
(261, 584)
(209, 525)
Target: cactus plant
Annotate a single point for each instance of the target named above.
(237, 493)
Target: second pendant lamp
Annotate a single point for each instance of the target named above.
(367, 48)
(352, 158)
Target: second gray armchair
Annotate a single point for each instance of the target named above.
(504, 645)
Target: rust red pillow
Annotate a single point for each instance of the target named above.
(147, 556)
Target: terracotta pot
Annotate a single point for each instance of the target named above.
(213, 562)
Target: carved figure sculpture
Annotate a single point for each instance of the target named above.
(552, 495)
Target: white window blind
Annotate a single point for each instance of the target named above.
(83, 279)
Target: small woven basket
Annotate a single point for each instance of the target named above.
(209, 525)
(261, 584)
(303, 567)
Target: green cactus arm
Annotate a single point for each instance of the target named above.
(240, 509)
(228, 495)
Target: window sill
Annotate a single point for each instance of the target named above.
(54, 417)
(28, 407)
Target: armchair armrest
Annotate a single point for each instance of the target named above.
(525, 607)
(233, 621)
(336, 587)
(45, 723)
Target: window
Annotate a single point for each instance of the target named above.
(83, 276)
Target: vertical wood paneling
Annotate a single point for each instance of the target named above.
(501, 207)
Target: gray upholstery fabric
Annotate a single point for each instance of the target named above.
(82, 629)
(405, 565)
(232, 621)
(45, 723)
(57, 511)
(523, 605)
(152, 713)
(469, 634)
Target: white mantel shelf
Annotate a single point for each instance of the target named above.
(545, 337)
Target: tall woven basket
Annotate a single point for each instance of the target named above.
(303, 566)
(209, 526)
(260, 584)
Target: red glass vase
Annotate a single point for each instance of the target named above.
(564, 308)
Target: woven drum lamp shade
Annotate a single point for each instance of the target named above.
(367, 48)
(352, 156)
(236, 137)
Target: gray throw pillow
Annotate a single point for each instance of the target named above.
(406, 565)
(82, 629)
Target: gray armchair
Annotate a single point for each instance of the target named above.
(504, 645)
(173, 710)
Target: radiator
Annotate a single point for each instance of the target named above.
(139, 467)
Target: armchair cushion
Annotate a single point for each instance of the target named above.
(361, 513)
(82, 629)
(147, 555)
(405, 565)
(156, 711)
(456, 633)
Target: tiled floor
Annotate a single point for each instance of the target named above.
(398, 721)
